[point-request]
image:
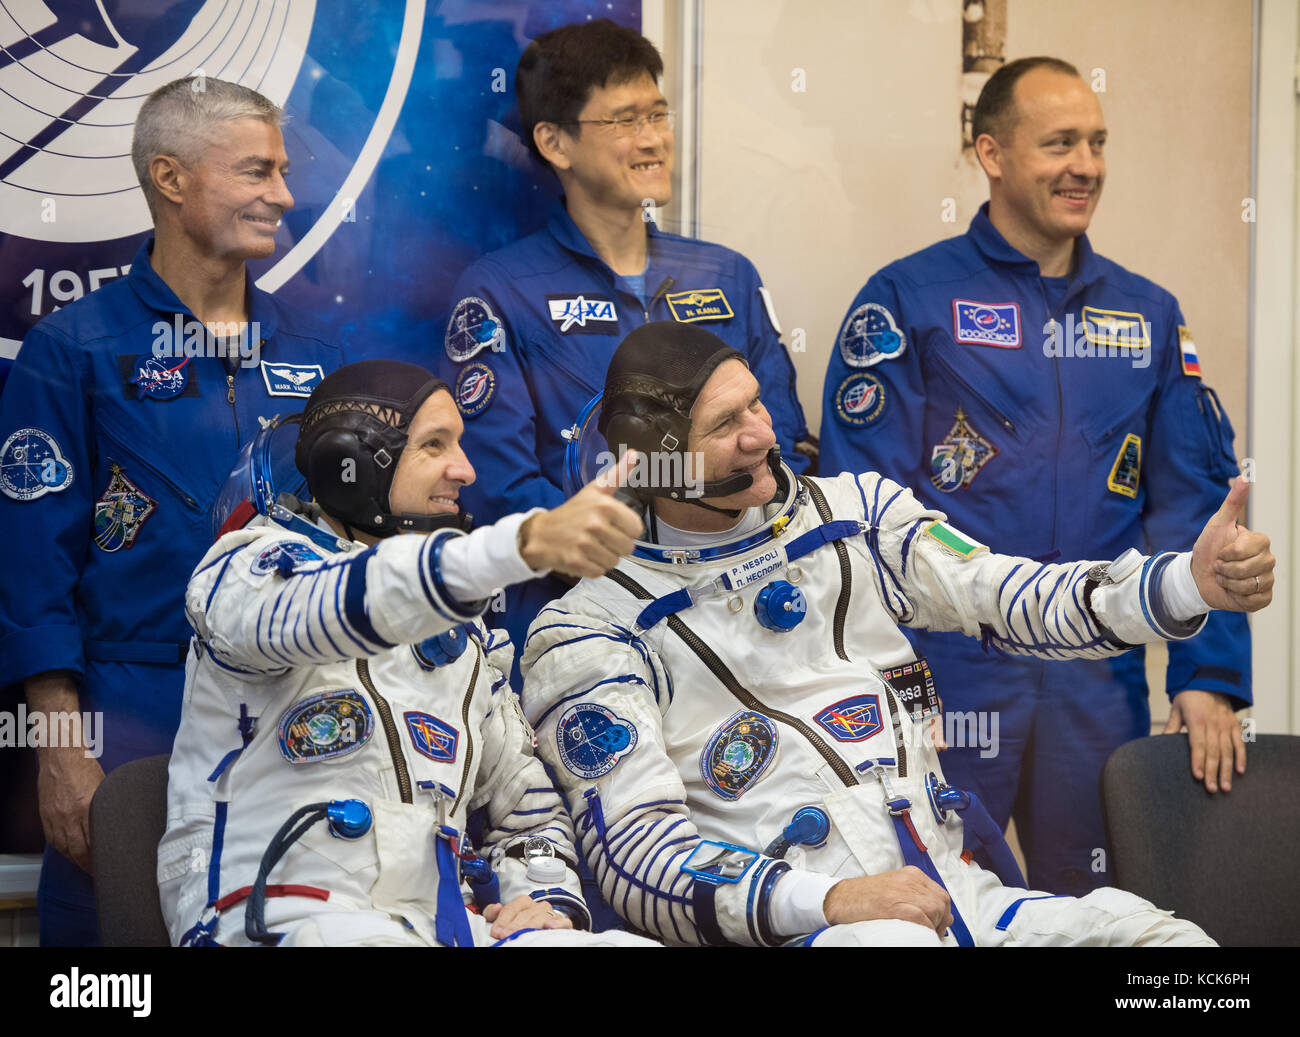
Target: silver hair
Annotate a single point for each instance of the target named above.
(174, 118)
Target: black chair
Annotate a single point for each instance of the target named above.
(127, 818)
(1224, 861)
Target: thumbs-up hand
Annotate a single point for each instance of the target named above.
(1233, 567)
(588, 533)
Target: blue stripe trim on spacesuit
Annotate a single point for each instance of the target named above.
(598, 821)
(228, 556)
(907, 542)
(627, 678)
(354, 601)
(919, 858)
(214, 861)
(1005, 921)
(264, 646)
(1161, 620)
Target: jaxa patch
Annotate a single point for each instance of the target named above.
(986, 324)
(870, 335)
(325, 726)
(1187, 351)
(576, 314)
(158, 378)
(860, 400)
(431, 737)
(853, 719)
(32, 465)
(1127, 469)
(1115, 329)
(120, 512)
(283, 557)
(592, 740)
(959, 456)
(291, 379)
(702, 304)
(738, 754)
(950, 540)
(476, 385)
(473, 328)
(914, 684)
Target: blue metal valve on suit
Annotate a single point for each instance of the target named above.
(809, 827)
(944, 798)
(442, 649)
(348, 818)
(780, 606)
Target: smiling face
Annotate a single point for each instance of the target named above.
(433, 467)
(617, 172)
(1046, 175)
(731, 428)
(232, 198)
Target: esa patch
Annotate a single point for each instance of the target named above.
(986, 324)
(431, 737)
(869, 336)
(1127, 469)
(283, 557)
(860, 400)
(328, 725)
(473, 328)
(914, 684)
(476, 385)
(574, 314)
(1187, 350)
(592, 740)
(291, 379)
(1115, 329)
(950, 540)
(32, 465)
(702, 304)
(120, 512)
(853, 719)
(957, 458)
(159, 378)
(738, 753)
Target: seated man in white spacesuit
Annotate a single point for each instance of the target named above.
(344, 709)
(736, 719)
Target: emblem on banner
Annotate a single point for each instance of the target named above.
(986, 324)
(959, 456)
(120, 512)
(1127, 469)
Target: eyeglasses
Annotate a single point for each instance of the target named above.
(630, 125)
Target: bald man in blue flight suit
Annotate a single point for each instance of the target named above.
(119, 423)
(535, 323)
(1047, 399)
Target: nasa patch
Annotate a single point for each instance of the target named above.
(291, 379)
(592, 740)
(870, 335)
(576, 314)
(860, 400)
(957, 458)
(431, 737)
(473, 328)
(475, 387)
(283, 557)
(853, 719)
(32, 465)
(328, 725)
(986, 324)
(158, 378)
(1127, 469)
(120, 512)
(738, 754)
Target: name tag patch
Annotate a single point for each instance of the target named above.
(754, 569)
(581, 314)
(1115, 329)
(701, 304)
(986, 323)
(291, 379)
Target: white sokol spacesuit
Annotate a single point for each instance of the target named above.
(674, 718)
(355, 675)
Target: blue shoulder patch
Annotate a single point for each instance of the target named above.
(32, 465)
(739, 753)
(870, 335)
(283, 557)
(860, 400)
(475, 387)
(474, 327)
(592, 740)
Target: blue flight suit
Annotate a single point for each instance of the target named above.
(1049, 417)
(528, 343)
(110, 463)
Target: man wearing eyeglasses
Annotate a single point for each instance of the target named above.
(535, 323)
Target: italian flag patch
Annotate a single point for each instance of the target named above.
(949, 539)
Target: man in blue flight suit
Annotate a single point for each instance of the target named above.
(118, 425)
(1046, 399)
(535, 323)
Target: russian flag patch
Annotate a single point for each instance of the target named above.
(1187, 349)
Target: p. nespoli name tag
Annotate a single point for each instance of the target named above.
(755, 568)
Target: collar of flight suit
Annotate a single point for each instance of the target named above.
(562, 228)
(990, 243)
